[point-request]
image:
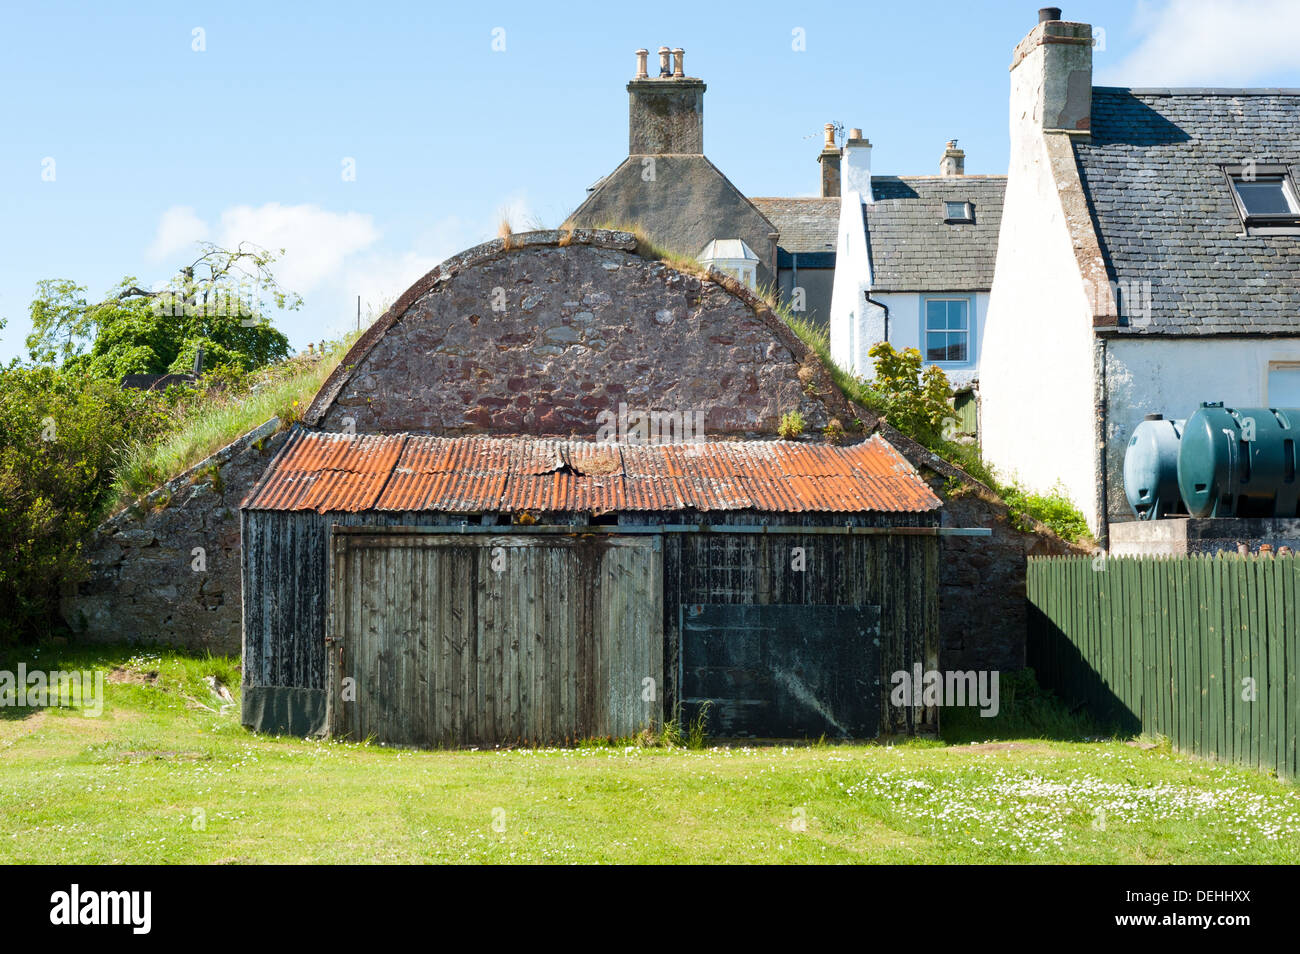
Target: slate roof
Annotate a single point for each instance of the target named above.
(807, 225)
(913, 249)
(1164, 212)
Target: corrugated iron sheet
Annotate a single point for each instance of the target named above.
(343, 472)
(411, 473)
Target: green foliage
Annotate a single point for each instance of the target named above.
(139, 331)
(697, 733)
(791, 426)
(1025, 711)
(228, 402)
(914, 399)
(1053, 509)
(62, 431)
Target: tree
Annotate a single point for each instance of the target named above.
(219, 302)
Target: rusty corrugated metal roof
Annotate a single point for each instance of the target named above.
(412, 473)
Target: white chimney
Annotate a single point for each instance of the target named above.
(855, 170)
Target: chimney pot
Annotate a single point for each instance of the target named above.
(830, 136)
(953, 162)
(1051, 75)
(666, 118)
(855, 133)
(641, 64)
(678, 56)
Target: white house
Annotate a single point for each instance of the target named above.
(914, 262)
(1149, 260)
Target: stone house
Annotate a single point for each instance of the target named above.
(666, 186)
(1149, 260)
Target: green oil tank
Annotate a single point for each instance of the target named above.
(1151, 468)
(1239, 462)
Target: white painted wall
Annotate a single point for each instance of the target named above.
(852, 280)
(1036, 369)
(1172, 377)
(856, 324)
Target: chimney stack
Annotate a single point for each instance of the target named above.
(830, 163)
(953, 162)
(666, 112)
(1051, 75)
(855, 167)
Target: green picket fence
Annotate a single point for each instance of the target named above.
(1201, 649)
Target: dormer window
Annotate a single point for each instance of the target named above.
(958, 212)
(1266, 198)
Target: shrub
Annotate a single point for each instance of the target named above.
(62, 433)
(791, 425)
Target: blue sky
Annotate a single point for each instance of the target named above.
(155, 144)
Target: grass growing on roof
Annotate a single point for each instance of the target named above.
(167, 775)
(213, 417)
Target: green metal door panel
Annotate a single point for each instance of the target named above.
(782, 671)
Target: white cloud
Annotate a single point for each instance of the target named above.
(178, 228)
(330, 257)
(1208, 43)
(315, 241)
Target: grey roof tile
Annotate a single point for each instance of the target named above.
(1164, 212)
(914, 249)
(806, 224)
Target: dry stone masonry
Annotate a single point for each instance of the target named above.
(165, 571)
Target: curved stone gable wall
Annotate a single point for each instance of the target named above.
(542, 339)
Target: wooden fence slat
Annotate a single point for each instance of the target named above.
(1170, 640)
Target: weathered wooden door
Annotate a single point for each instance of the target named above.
(441, 639)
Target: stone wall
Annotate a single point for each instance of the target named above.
(541, 339)
(148, 585)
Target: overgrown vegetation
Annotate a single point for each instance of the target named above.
(222, 407)
(75, 442)
(60, 432)
(219, 303)
(791, 425)
(1025, 711)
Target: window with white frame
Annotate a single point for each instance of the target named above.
(947, 330)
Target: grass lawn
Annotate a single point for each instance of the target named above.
(165, 775)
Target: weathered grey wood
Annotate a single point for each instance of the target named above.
(446, 650)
